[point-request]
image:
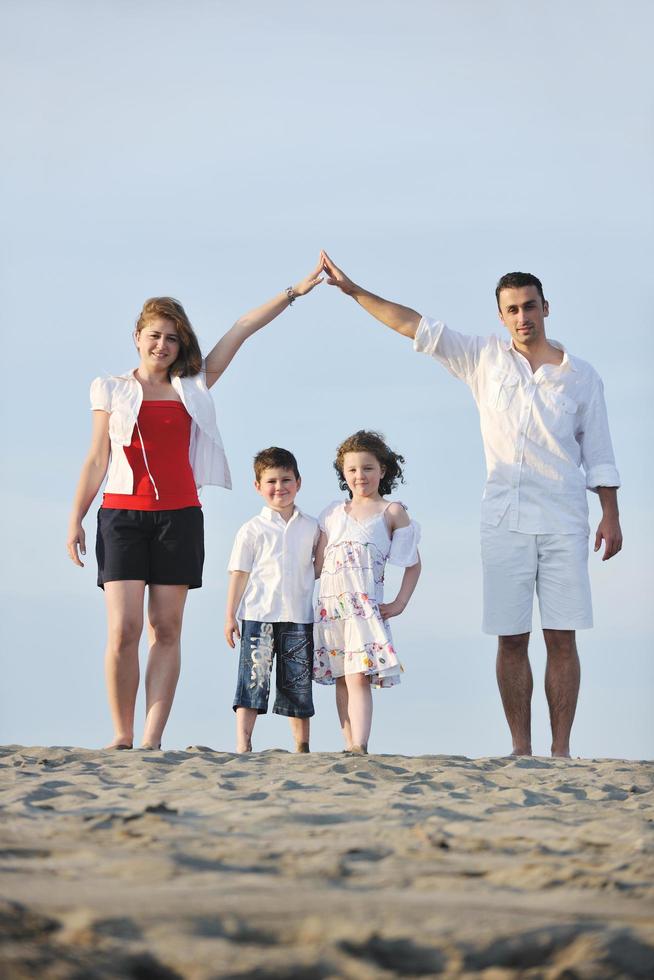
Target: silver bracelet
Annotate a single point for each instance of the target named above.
(290, 292)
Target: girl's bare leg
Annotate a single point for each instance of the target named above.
(245, 719)
(124, 602)
(165, 612)
(342, 709)
(300, 732)
(359, 701)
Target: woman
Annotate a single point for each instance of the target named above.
(155, 430)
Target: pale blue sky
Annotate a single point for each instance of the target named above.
(208, 150)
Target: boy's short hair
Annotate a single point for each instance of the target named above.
(272, 457)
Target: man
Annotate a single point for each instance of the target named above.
(542, 417)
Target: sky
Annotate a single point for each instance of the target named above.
(208, 151)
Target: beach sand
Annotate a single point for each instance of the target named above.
(201, 864)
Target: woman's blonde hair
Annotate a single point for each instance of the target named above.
(189, 359)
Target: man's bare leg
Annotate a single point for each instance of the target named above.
(516, 684)
(562, 676)
(342, 709)
(245, 719)
(300, 732)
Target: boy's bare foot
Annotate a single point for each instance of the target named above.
(302, 747)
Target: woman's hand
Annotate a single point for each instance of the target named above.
(76, 540)
(231, 628)
(313, 279)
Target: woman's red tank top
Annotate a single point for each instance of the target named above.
(162, 448)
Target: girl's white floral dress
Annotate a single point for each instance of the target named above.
(350, 636)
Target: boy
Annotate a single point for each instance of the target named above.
(271, 590)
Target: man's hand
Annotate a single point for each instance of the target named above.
(336, 277)
(231, 628)
(609, 531)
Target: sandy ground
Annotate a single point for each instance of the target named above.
(202, 864)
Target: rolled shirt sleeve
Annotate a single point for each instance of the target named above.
(242, 556)
(597, 456)
(458, 352)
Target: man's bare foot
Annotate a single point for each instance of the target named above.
(564, 754)
(302, 747)
(521, 750)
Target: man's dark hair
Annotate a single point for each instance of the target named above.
(516, 280)
(274, 456)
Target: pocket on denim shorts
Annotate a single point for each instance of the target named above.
(296, 659)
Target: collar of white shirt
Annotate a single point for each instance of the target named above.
(567, 362)
(274, 515)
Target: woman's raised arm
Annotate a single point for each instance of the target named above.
(221, 355)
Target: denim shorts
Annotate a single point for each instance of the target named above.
(291, 644)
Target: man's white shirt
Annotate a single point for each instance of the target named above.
(278, 554)
(539, 429)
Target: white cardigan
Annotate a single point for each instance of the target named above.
(121, 396)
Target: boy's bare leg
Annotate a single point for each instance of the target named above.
(516, 684)
(245, 719)
(300, 732)
(561, 686)
(359, 700)
(342, 709)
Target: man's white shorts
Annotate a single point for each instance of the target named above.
(513, 562)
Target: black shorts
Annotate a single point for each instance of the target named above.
(158, 547)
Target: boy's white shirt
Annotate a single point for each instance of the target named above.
(278, 555)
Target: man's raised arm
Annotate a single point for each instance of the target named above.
(400, 318)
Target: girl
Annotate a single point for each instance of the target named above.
(353, 643)
(155, 429)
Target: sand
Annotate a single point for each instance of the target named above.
(202, 864)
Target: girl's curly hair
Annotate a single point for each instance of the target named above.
(371, 442)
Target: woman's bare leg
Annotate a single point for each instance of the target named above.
(342, 709)
(359, 702)
(165, 613)
(124, 602)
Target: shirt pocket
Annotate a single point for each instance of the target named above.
(562, 412)
(501, 390)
